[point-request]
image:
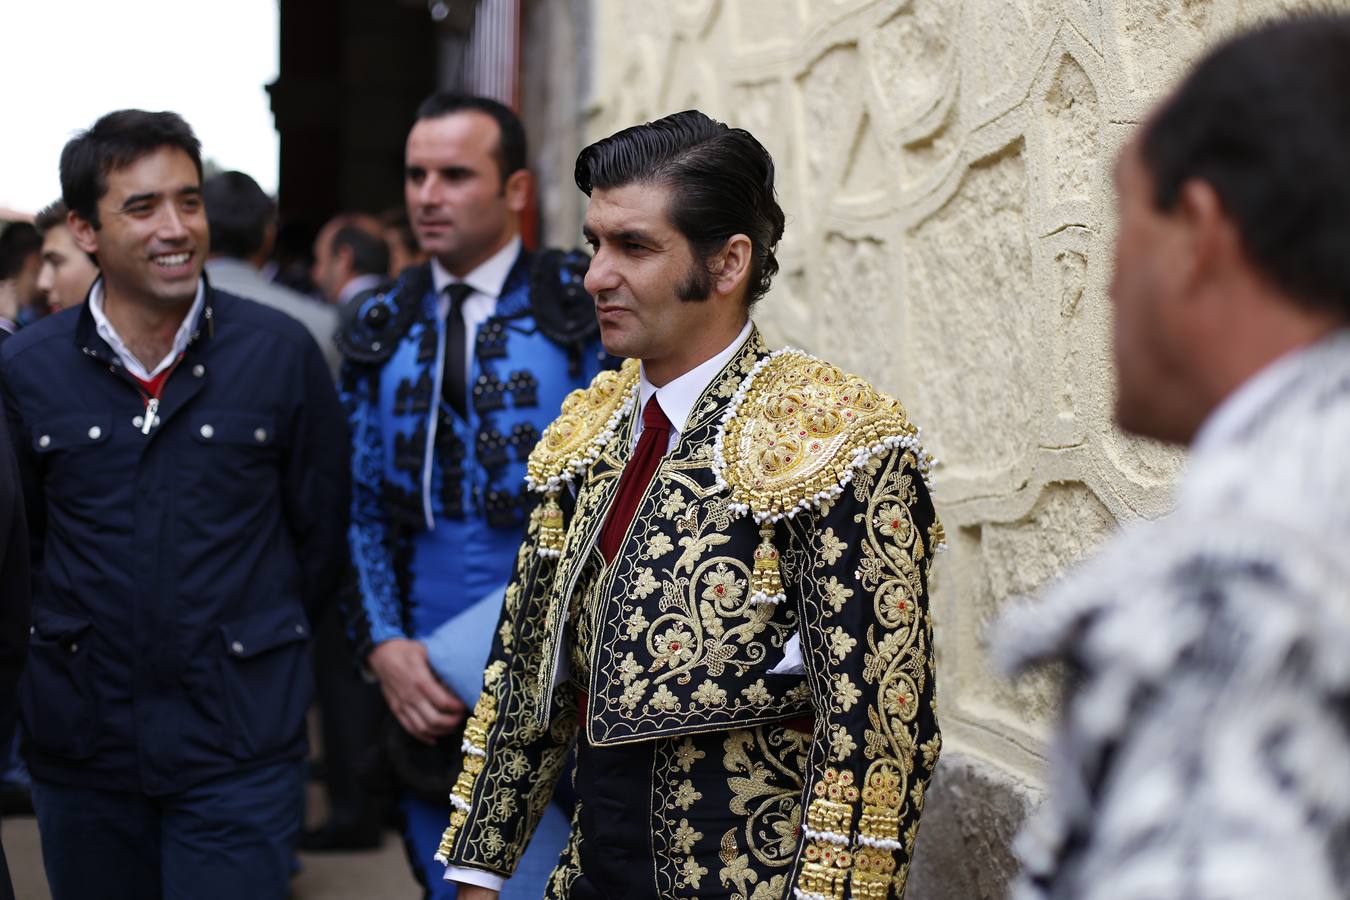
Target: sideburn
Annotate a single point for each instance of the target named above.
(697, 283)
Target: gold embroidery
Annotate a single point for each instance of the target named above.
(767, 579)
(573, 440)
(796, 430)
(829, 824)
(475, 737)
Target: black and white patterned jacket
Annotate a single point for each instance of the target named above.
(1204, 751)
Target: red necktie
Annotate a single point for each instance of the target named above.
(637, 474)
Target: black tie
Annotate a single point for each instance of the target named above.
(454, 382)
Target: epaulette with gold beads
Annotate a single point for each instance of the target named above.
(794, 434)
(574, 440)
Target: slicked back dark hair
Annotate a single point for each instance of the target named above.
(370, 255)
(511, 149)
(114, 142)
(50, 216)
(1265, 120)
(238, 213)
(720, 181)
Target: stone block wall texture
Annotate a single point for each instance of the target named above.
(946, 171)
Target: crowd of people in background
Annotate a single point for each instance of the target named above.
(220, 438)
(43, 271)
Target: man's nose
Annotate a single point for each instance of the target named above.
(431, 191)
(600, 275)
(46, 278)
(172, 226)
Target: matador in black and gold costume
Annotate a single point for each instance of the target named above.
(747, 678)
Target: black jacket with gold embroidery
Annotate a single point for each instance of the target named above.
(794, 504)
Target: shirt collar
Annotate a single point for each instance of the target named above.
(114, 340)
(488, 278)
(357, 285)
(679, 395)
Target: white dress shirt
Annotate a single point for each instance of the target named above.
(678, 396)
(487, 282)
(677, 399)
(133, 365)
(358, 284)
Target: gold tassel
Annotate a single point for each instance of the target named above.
(550, 526)
(766, 581)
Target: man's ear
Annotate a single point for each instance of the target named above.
(345, 260)
(730, 268)
(517, 190)
(83, 231)
(1209, 242)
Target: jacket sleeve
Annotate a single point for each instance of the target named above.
(29, 478)
(511, 764)
(317, 484)
(15, 608)
(860, 569)
(370, 596)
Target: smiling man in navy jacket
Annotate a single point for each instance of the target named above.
(184, 465)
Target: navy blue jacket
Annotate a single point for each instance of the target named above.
(175, 574)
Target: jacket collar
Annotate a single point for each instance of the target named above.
(91, 343)
(677, 398)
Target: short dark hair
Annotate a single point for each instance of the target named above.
(1264, 119)
(50, 216)
(238, 213)
(370, 255)
(721, 182)
(114, 142)
(19, 242)
(511, 149)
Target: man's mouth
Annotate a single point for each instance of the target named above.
(172, 260)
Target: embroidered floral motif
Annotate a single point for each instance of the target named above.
(846, 693)
(831, 547)
(644, 584)
(664, 700)
(757, 693)
(659, 545)
(841, 643)
(709, 694)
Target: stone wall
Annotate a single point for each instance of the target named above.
(946, 171)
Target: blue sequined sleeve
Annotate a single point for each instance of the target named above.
(373, 610)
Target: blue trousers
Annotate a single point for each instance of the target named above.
(227, 838)
(424, 823)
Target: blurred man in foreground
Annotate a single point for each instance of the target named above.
(1204, 745)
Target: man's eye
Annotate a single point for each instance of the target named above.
(632, 247)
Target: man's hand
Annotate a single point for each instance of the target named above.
(424, 707)
(474, 892)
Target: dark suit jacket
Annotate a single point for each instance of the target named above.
(14, 587)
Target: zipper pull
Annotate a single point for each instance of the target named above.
(151, 407)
